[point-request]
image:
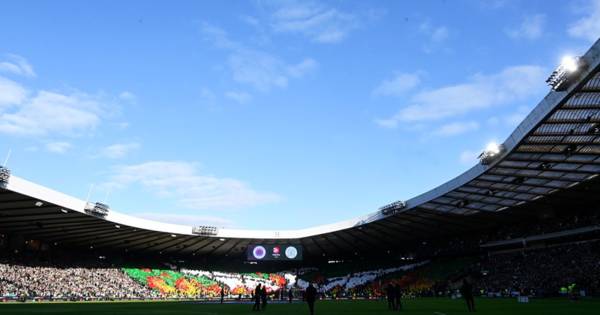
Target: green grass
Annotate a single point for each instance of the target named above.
(429, 306)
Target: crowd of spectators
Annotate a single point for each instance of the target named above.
(543, 226)
(65, 283)
(543, 272)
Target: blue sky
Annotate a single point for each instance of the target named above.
(269, 114)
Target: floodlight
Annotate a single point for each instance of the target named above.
(594, 129)
(569, 63)
(97, 209)
(205, 230)
(493, 148)
(4, 175)
(393, 207)
(570, 149)
(566, 72)
(462, 203)
(491, 152)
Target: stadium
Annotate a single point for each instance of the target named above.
(520, 231)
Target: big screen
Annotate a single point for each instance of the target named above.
(274, 252)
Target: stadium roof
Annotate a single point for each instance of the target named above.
(550, 160)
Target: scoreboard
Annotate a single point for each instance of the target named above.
(281, 252)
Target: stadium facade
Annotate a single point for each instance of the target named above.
(550, 162)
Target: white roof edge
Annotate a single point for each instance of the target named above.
(47, 195)
(44, 194)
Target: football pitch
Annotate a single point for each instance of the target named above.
(429, 306)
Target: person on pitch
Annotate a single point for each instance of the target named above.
(398, 297)
(311, 296)
(467, 292)
(263, 297)
(391, 294)
(257, 294)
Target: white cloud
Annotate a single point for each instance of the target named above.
(183, 182)
(587, 27)
(469, 157)
(456, 128)
(11, 93)
(314, 20)
(436, 34)
(299, 70)
(186, 219)
(532, 27)
(257, 68)
(119, 150)
(239, 96)
(41, 113)
(439, 34)
(58, 147)
(17, 65)
(397, 85)
(51, 112)
(480, 91)
(128, 97)
(207, 96)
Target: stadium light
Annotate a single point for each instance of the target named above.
(493, 148)
(4, 175)
(570, 149)
(393, 207)
(97, 209)
(462, 203)
(205, 230)
(491, 152)
(594, 129)
(569, 63)
(566, 72)
(490, 192)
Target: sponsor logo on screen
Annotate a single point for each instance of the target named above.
(259, 252)
(291, 252)
(276, 252)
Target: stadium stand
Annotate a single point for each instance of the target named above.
(540, 272)
(65, 283)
